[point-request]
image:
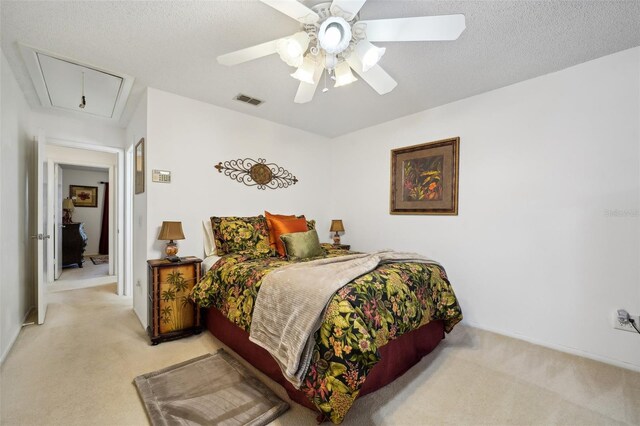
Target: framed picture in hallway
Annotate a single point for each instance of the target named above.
(139, 153)
(424, 178)
(84, 196)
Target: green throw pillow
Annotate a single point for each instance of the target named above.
(302, 245)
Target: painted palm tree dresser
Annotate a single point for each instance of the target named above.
(172, 314)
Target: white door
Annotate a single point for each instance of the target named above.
(42, 237)
(57, 215)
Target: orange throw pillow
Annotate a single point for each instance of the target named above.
(272, 235)
(286, 226)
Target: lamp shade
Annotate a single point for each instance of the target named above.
(306, 71)
(368, 54)
(292, 48)
(67, 204)
(344, 75)
(337, 226)
(171, 231)
(334, 35)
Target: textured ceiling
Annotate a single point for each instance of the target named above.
(172, 46)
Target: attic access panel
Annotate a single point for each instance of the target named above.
(58, 83)
(63, 81)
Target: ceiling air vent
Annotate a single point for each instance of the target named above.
(248, 100)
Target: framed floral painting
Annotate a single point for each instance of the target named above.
(84, 196)
(424, 178)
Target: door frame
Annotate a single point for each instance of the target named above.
(128, 220)
(118, 223)
(57, 224)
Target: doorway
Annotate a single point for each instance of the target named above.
(85, 205)
(82, 232)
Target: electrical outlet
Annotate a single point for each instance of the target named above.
(626, 325)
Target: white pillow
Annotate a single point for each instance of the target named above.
(209, 242)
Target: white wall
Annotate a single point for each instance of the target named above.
(90, 216)
(91, 131)
(189, 138)
(546, 243)
(136, 130)
(16, 291)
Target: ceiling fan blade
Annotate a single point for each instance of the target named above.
(306, 90)
(248, 54)
(348, 7)
(375, 76)
(422, 28)
(294, 9)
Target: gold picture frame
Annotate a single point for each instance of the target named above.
(424, 178)
(139, 164)
(84, 196)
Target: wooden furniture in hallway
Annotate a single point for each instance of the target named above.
(74, 240)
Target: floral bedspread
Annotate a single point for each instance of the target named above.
(361, 317)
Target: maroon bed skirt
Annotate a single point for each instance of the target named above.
(397, 356)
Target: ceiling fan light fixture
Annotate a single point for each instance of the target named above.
(333, 32)
(368, 54)
(334, 35)
(305, 71)
(292, 48)
(344, 75)
(330, 61)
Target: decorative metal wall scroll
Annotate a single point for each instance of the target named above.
(257, 173)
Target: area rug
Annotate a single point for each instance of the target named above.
(99, 260)
(213, 389)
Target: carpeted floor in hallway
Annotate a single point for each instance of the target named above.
(77, 369)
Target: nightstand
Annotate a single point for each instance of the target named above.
(172, 314)
(341, 246)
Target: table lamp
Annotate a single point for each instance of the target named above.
(171, 231)
(68, 207)
(336, 226)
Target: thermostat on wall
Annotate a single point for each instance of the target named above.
(162, 176)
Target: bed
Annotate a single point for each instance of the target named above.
(372, 331)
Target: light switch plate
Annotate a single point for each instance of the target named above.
(162, 176)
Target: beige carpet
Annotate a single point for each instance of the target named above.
(78, 367)
(88, 270)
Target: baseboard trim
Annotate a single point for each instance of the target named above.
(15, 336)
(561, 348)
(141, 319)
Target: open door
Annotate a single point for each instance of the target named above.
(57, 216)
(42, 237)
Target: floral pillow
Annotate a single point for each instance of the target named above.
(247, 234)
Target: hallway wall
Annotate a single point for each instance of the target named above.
(16, 289)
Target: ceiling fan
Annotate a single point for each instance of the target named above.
(335, 40)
